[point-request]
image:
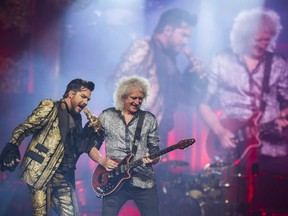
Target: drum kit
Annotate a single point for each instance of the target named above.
(199, 194)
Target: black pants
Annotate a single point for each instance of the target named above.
(145, 199)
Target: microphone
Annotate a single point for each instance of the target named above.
(93, 119)
(197, 66)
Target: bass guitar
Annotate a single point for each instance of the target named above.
(106, 182)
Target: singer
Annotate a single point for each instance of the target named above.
(154, 57)
(58, 140)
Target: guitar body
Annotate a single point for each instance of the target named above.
(246, 135)
(106, 182)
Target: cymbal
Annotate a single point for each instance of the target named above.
(175, 163)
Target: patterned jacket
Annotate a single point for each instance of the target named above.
(45, 150)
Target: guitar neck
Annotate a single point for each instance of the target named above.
(152, 157)
(180, 145)
(163, 151)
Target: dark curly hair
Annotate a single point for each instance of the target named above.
(174, 17)
(77, 84)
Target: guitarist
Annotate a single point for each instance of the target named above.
(119, 125)
(237, 78)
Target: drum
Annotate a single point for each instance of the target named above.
(207, 190)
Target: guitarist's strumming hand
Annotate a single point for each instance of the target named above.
(226, 138)
(109, 164)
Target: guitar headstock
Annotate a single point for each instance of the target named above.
(185, 143)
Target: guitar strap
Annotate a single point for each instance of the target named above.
(137, 135)
(266, 77)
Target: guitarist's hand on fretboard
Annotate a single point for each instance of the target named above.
(146, 160)
(282, 122)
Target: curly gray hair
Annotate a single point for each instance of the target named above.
(127, 85)
(248, 22)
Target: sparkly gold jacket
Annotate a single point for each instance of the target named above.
(45, 150)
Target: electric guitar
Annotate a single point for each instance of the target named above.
(247, 135)
(246, 138)
(106, 182)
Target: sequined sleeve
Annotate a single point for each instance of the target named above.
(283, 87)
(38, 118)
(153, 136)
(132, 61)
